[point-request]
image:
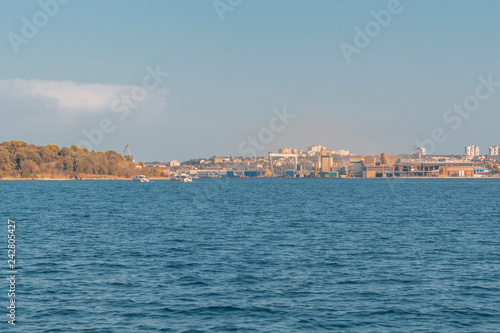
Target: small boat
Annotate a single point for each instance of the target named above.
(182, 178)
(140, 179)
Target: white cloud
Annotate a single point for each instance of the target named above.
(71, 98)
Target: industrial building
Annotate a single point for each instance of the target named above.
(250, 173)
(388, 158)
(355, 166)
(370, 160)
(326, 160)
(419, 169)
(456, 169)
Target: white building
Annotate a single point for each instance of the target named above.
(472, 151)
(340, 152)
(174, 163)
(314, 149)
(419, 151)
(495, 151)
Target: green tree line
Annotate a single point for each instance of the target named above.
(21, 160)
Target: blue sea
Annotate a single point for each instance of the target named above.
(254, 255)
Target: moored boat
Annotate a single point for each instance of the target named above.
(140, 179)
(182, 178)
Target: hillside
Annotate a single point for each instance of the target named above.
(21, 160)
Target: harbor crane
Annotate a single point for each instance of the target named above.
(128, 152)
(271, 155)
(316, 166)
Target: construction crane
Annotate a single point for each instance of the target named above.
(128, 152)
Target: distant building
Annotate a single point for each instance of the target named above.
(495, 151)
(370, 160)
(219, 160)
(314, 149)
(427, 169)
(341, 152)
(390, 159)
(174, 163)
(287, 151)
(472, 151)
(419, 151)
(383, 160)
(355, 166)
(479, 170)
(254, 173)
(326, 160)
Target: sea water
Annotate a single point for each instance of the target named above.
(254, 255)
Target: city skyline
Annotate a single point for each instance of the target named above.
(471, 151)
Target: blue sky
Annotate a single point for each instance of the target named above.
(226, 76)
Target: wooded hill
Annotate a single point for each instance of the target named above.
(20, 160)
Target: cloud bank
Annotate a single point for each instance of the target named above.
(72, 98)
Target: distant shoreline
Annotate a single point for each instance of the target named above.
(163, 178)
(72, 179)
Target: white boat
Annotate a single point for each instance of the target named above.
(140, 179)
(182, 178)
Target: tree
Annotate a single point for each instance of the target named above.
(20, 160)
